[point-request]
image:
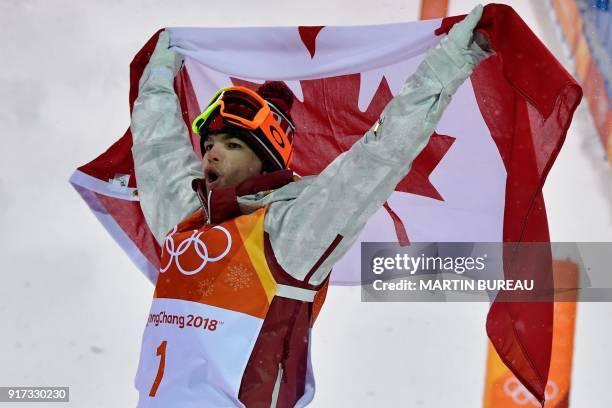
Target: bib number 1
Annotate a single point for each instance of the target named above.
(161, 352)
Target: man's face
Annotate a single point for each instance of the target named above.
(227, 161)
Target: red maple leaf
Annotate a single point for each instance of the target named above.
(329, 122)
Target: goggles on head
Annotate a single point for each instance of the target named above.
(241, 107)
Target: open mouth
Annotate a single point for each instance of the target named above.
(212, 176)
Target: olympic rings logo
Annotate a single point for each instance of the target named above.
(198, 245)
(521, 396)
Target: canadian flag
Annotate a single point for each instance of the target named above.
(479, 179)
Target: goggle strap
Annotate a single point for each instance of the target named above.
(270, 153)
(203, 118)
(281, 113)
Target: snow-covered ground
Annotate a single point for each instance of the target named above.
(73, 306)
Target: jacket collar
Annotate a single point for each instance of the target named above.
(221, 204)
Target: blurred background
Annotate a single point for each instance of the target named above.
(73, 306)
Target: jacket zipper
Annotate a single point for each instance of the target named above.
(205, 207)
(282, 364)
(208, 213)
(277, 385)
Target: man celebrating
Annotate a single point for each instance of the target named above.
(247, 247)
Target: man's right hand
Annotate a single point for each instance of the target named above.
(472, 46)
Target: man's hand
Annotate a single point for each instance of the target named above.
(462, 32)
(464, 46)
(163, 58)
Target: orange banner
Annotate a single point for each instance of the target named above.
(433, 9)
(503, 390)
(599, 104)
(591, 79)
(570, 21)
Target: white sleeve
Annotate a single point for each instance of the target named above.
(164, 160)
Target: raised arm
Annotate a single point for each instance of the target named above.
(309, 234)
(164, 160)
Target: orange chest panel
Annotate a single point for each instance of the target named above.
(219, 265)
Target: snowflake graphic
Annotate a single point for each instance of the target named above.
(238, 277)
(206, 287)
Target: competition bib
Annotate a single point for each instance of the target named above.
(212, 295)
